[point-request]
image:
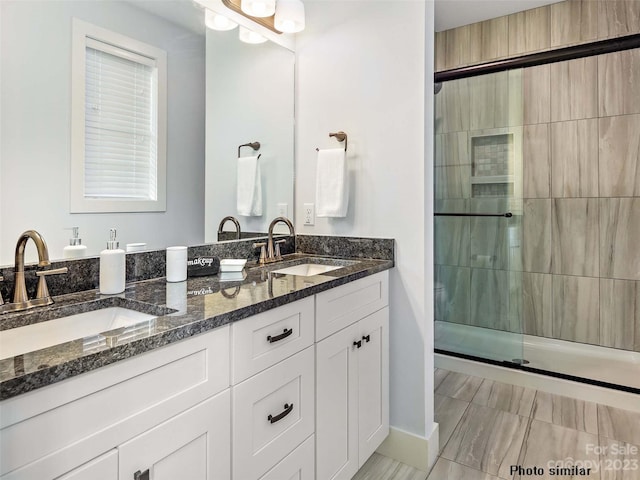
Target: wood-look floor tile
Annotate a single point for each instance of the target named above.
(460, 386)
(619, 424)
(566, 412)
(448, 412)
(548, 445)
(447, 470)
(487, 439)
(379, 467)
(439, 375)
(619, 460)
(506, 397)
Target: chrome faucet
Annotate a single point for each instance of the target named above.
(235, 222)
(273, 254)
(20, 298)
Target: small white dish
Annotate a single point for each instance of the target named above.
(232, 276)
(232, 264)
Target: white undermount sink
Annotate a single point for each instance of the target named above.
(29, 338)
(308, 269)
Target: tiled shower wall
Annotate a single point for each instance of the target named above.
(567, 265)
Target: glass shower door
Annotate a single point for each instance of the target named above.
(478, 217)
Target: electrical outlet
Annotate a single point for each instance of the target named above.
(309, 214)
(283, 210)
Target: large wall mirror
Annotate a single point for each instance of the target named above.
(236, 92)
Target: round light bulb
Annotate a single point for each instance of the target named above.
(215, 21)
(258, 8)
(289, 16)
(249, 36)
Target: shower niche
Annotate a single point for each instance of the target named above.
(496, 163)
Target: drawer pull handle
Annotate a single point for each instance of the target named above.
(357, 344)
(280, 416)
(366, 338)
(277, 338)
(141, 475)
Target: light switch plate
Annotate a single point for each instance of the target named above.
(283, 210)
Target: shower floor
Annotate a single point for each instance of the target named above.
(602, 364)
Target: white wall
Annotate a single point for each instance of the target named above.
(35, 128)
(361, 68)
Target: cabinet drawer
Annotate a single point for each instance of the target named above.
(269, 337)
(342, 306)
(298, 465)
(273, 412)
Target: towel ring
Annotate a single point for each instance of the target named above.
(254, 145)
(341, 137)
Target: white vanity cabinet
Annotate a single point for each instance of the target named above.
(352, 372)
(176, 396)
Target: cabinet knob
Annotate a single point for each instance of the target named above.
(357, 344)
(366, 338)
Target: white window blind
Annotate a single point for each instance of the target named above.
(121, 118)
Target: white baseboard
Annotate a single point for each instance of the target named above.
(410, 449)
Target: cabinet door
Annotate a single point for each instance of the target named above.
(193, 445)
(105, 467)
(373, 383)
(337, 403)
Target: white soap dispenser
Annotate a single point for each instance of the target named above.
(75, 249)
(112, 267)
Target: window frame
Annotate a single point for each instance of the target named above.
(81, 32)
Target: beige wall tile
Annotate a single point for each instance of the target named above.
(536, 304)
(489, 101)
(490, 299)
(619, 83)
(529, 31)
(576, 309)
(452, 294)
(536, 161)
(619, 234)
(452, 107)
(536, 235)
(452, 149)
(439, 52)
(574, 158)
(619, 156)
(574, 234)
(574, 94)
(537, 94)
(456, 47)
(619, 313)
(453, 182)
(573, 21)
(618, 18)
(494, 38)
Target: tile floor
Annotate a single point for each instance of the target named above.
(487, 426)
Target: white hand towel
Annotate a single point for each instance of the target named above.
(249, 194)
(332, 183)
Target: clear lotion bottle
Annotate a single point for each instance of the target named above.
(112, 267)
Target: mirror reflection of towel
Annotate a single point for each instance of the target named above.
(332, 183)
(249, 191)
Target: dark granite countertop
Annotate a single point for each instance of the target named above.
(180, 310)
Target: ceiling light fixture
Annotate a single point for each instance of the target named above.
(289, 16)
(215, 21)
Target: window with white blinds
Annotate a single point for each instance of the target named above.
(118, 132)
